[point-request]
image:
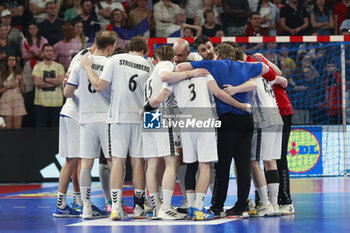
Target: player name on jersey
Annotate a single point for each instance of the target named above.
(134, 65)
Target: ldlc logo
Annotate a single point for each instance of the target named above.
(304, 151)
(152, 120)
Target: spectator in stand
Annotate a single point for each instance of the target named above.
(16, 8)
(117, 20)
(164, 16)
(180, 25)
(308, 5)
(140, 13)
(235, 18)
(89, 20)
(51, 26)
(199, 18)
(104, 9)
(253, 4)
(270, 16)
(14, 34)
(321, 18)
(31, 53)
(210, 27)
(79, 36)
(38, 9)
(48, 77)
(191, 8)
(73, 12)
(340, 11)
(220, 33)
(65, 49)
(294, 19)
(12, 87)
(7, 46)
(254, 28)
(287, 63)
(279, 3)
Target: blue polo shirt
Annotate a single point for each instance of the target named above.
(233, 73)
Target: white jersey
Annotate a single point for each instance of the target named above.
(265, 110)
(71, 106)
(127, 74)
(93, 105)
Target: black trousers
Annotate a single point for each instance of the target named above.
(282, 164)
(234, 140)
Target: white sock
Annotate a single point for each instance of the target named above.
(273, 192)
(200, 197)
(116, 199)
(155, 200)
(160, 191)
(191, 199)
(85, 191)
(167, 195)
(77, 198)
(61, 200)
(263, 195)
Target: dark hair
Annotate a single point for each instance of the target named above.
(253, 13)
(5, 71)
(83, 1)
(38, 35)
(46, 45)
(318, 11)
(111, 20)
(137, 44)
(202, 39)
(206, 12)
(120, 50)
(105, 38)
(165, 53)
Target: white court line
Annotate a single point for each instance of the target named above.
(19, 207)
(43, 207)
(108, 222)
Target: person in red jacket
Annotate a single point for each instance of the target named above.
(253, 27)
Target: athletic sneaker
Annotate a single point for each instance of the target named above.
(90, 212)
(66, 212)
(155, 213)
(287, 209)
(147, 206)
(183, 208)
(108, 206)
(218, 213)
(77, 207)
(200, 215)
(264, 211)
(170, 214)
(234, 212)
(277, 210)
(190, 213)
(139, 213)
(117, 214)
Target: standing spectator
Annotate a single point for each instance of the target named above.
(73, 12)
(199, 18)
(66, 48)
(293, 19)
(254, 28)
(236, 13)
(180, 25)
(210, 27)
(117, 20)
(14, 34)
(164, 16)
(16, 8)
(47, 77)
(321, 18)
(140, 13)
(7, 46)
(339, 11)
(79, 36)
(37, 8)
(51, 27)
(191, 8)
(104, 9)
(12, 87)
(287, 63)
(89, 20)
(270, 16)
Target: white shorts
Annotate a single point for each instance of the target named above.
(124, 138)
(266, 143)
(69, 138)
(93, 137)
(199, 146)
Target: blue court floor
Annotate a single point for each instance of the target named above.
(322, 205)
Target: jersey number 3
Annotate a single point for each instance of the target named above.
(193, 92)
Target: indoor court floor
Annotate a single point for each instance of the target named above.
(321, 204)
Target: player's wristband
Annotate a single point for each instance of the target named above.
(188, 74)
(148, 107)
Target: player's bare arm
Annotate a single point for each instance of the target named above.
(68, 90)
(247, 86)
(98, 84)
(183, 67)
(281, 81)
(154, 102)
(173, 77)
(274, 67)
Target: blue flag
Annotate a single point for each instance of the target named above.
(139, 29)
(176, 34)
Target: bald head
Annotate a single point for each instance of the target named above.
(182, 50)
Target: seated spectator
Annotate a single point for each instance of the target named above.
(199, 19)
(51, 26)
(104, 9)
(287, 63)
(7, 46)
(254, 28)
(12, 87)
(16, 9)
(89, 19)
(140, 13)
(235, 18)
(340, 11)
(210, 27)
(164, 16)
(73, 12)
(14, 34)
(346, 23)
(79, 36)
(188, 32)
(321, 18)
(293, 19)
(65, 49)
(270, 16)
(177, 29)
